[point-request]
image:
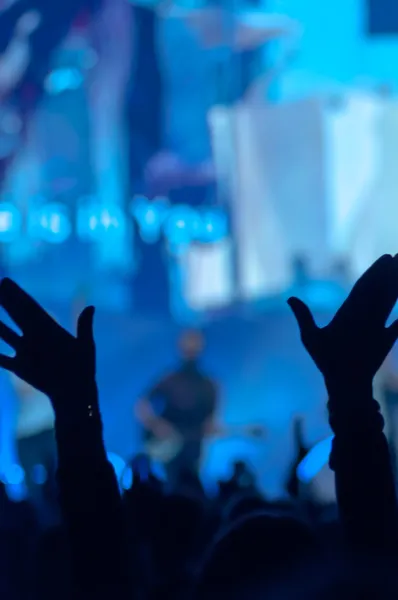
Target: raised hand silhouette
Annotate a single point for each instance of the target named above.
(46, 356)
(354, 345)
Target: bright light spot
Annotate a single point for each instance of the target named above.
(10, 221)
(106, 220)
(179, 225)
(215, 225)
(5, 220)
(150, 217)
(93, 223)
(13, 475)
(53, 224)
(88, 218)
(315, 460)
(112, 218)
(62, 80)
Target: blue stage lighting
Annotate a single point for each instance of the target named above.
(10, 222)
(118, 464)
(149, 217)
(314, 461)
(126, 480)
(111, 218)
(180, 225)
(214, 225)
(13, 475)
(87, 218)
(14, 479)
(62, 80)
(52, 224)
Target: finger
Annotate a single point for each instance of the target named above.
(374, 294)
(9, 336)
(303, 316)
(21, 307)
(380, 267)
(7, 363)
(387, 292)
(85, 322)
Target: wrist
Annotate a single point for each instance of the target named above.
(79, 440)
(349, 391)
(77, 404)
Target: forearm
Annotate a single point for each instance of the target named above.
(363, 474)
(90, 500)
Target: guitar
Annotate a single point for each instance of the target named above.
(165, 450)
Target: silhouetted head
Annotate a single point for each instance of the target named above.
(191, 344)
(341, 578)
(254, 554)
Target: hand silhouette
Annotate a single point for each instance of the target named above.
(46, 356)
(356, 342)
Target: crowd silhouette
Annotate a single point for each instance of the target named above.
(151, 543)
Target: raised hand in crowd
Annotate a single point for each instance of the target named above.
(62, 366)
(348, 352)
(46, 356)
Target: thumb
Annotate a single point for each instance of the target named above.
(303, 316)
(85, 325)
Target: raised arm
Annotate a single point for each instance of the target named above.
(63, 367)
(348, 352)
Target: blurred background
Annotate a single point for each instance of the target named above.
(192, 164)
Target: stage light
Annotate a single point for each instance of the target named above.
(62, 80)
(314, 461)
(214, 225)
(13, 475)
(87, 218)
(179, 226)
(10, 222)
(14, 479)
(149, 217)
(51, 223)
(111, 218)
(93, 223)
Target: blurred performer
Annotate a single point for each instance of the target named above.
(178, 412)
